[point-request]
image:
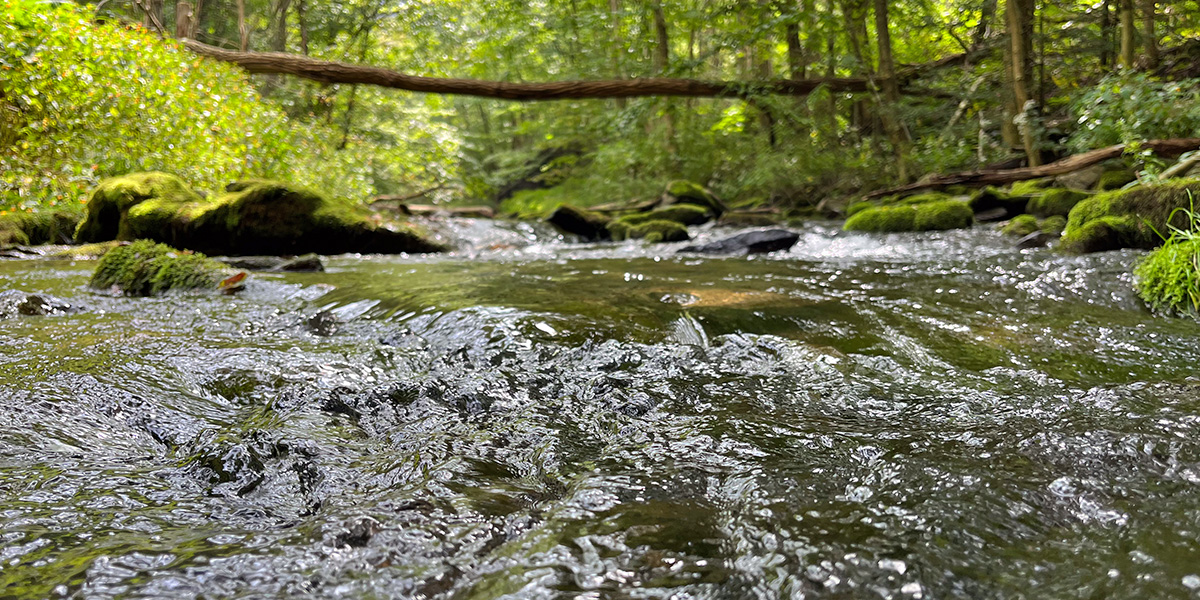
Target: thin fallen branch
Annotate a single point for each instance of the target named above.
(1170, 147)
(340, 72)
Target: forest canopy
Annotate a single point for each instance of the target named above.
(98, 89)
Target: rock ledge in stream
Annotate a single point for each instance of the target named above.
(14, 303)
(309, 263)
(252, 217)
(751, 242)
(145, 268)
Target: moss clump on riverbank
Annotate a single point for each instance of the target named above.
(929, 216)
(1169, 278)
(109, 204)
(651, 231)
(1131, 218)
(42, 227)
(1057, 201)
(577, 221)
(1053, 225)
(687, 192)
(684, 214)
(1115, 179)
(145, 268)
(252, 217)
(1020, 226)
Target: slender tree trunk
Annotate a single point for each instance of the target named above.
(279, 29)
(183, 20)
(795, 52)
(830, 71)
(1127, 33)
(153, 15)
(855, 14)
(987, 12)
(1106, 34)
(1020, 25)
(1009, 134)
(1150, 34)
(243, 27)
(891, 89)
(662, 43)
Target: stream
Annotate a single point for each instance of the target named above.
(864, 416)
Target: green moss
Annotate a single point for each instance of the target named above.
(40, 227)
(145, 268)
(1053, 225)
(991, 198)
(684, 214)
(924, 198)
(1116, 179)
(1020, 226)
(940, 216)
(1057, 201)
(1131, 218)
(1029, 187)
(651, 231)
(111, 201)
(928, 216)
(1169, 278)
(84, 251)
(857, 207)
(680, 191)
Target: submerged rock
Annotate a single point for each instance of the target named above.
(145, 268)
(750, 242)
(586, 224)
(1020, 226)
(991, 199)
(1131, 218)
(1037, 239)
(252, 217)
(14, 303)
(308, 263)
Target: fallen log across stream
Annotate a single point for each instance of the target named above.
(1168, 147)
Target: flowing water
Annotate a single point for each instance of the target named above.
(906, 416)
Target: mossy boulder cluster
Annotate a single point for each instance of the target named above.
(924, 212)
(32, 228)
(251, 217)
(146, 268)
(682, 204)
(1023, 225)
(1138, 217)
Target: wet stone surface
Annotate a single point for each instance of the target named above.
(861, 416)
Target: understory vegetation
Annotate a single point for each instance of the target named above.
(97, 90)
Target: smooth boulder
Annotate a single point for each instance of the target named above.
(750, 242)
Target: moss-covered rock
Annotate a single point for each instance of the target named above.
(252, 217)
(687, 192)
(1131, 218)
(1056, 201)
(111, 200)
(145, 268)
(928, 216)
(577, 221)
(1029, 187)
(1116, 179)
(991, 199)
(1053, 225)
(923, 198)
(1020, 226)
(1169, 278)
(684, 214)
(41, 227)
(651, 231)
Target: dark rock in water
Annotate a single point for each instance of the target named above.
(751, 242)
(357, 532)
(1037, 239)
(992, 215)
(324, 323)
(14, 303)
(583, 223)
(307, 263)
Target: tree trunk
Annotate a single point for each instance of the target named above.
(152, 17)
(662, 43)
(855, 15)
(243, 28)
(183, 20)
(1149, 34)
(891, 91)
(1127, 33)
(338, 72)
(795, 51)
(1020, 25)
(1106, 34)
(302, 24)
(279, 27)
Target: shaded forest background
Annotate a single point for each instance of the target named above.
(99, 89)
